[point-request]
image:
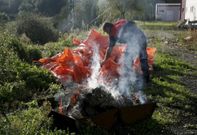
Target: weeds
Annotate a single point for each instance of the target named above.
(22, 83)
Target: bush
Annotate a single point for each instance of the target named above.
(19, 79)
(17, 48)
(37, 29)
(33, 121)
(34, 54)
(36, 79)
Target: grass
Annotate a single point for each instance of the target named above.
(175, 97)
(174, 100)
(158, 25)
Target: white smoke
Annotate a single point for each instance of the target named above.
(142, 98)
(131, 81)
(95, 68)
(95, 80)
(128, 76)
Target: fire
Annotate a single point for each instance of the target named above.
(81, 67)
(76, 63)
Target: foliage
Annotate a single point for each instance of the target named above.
(20, 80)
(33, 54)
(3, 17)
(37, 29)
(87, 11)
(9, 7)
(49, 7)
(121, 9)
(31, 121)
(27, 6)
(44, 7)
(69, 14)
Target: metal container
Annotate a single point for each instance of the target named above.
(112, 117)
(133, 114)
(124, 115)
(106, 119)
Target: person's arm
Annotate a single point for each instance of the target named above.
(108, 53)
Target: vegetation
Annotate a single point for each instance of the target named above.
(23, 84)
(35, 28)
(25, 24)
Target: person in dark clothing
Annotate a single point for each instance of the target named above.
(127, 32)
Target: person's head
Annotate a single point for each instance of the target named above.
(107, 27)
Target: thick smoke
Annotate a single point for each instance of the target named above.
(131, 81)
(95, 80)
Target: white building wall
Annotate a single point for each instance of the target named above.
(167, 11)
(191, 10)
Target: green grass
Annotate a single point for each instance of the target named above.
(176, 102)
(24, 83)
(158, 25)
(173, 98)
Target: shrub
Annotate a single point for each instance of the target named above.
(34, 54)
(17, 48)
(36, 78)
(19, 79)
(12, 91)
(33, 121)
(37, 29)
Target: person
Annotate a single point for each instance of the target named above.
(127, 32)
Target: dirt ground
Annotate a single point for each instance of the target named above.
(188, 117)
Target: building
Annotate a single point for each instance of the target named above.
(188, 10)
(167, 11)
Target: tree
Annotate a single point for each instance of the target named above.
(120, 9)
(80, 13)
(125, 8)
(10, 7)
(87, 11)
(49, 7)
(27, 6)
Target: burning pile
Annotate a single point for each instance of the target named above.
(76, 65)
(83, 102)
(89, 88)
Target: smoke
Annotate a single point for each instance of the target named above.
(95, 68)
(130, 80)
(128, 76)
(95, 80)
